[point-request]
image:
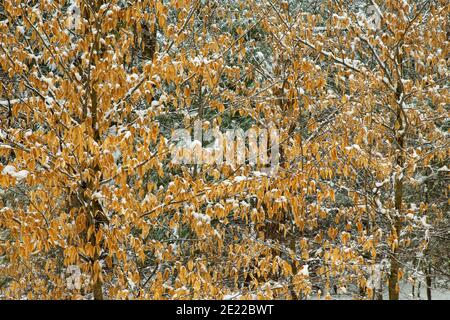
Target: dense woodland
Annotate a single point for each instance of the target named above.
(92, 207)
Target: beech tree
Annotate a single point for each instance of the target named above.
(94, 207)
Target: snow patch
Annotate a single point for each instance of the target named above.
(11, 170)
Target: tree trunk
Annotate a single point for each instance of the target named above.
(379, 292)
(428, 282)
(394, 271)
(97, 290)
(393, 280)
(394, 290)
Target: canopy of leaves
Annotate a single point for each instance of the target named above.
(91, 205)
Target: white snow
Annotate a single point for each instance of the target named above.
(22, 174)
(127, 135)
(5, 146)
(195, 144)
(260, 55)
(423, 220)
(201, 217)
(305, 270)
(8, 170)
(74, 280)
(11, 170)
(240, 178)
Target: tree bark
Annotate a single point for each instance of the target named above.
(428, 282)
(399, 130)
